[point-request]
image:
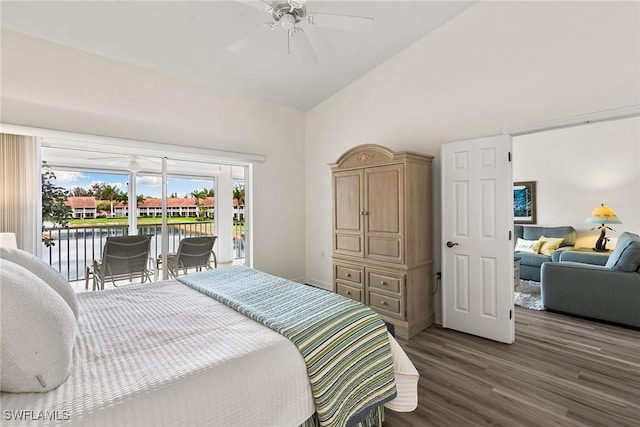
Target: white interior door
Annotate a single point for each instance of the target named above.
(477, 228)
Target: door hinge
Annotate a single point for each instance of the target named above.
(509, 156)
(509, 235)
(510, 314)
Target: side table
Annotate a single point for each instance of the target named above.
(595, 251)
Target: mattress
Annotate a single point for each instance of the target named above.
(164, 354)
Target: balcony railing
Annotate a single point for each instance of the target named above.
(77, 246)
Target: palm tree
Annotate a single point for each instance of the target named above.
(110, 193)
(80, 192)
(238, 194)
(124, 198)
(199, 195)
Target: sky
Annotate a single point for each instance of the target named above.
(149, 186)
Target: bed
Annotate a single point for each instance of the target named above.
(168, 354)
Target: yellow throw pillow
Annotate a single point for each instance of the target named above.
(550, 244)
(532, 246)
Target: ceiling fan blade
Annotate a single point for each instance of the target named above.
(125, 158)
(299, 45)
(340, 22)
(263, 5)
(248, 38)
(108, 158)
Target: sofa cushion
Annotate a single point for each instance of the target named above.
(532, 246)
(518, 231)
(550, 244)
(568, 233)
(533, 260)
(595, 258)
(626, 255)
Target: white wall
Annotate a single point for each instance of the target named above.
(496, 66)
(578, 168)
(55, 87)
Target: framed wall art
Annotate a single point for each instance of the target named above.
(524, 202)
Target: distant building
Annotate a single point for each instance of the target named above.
(82, 207)
(86, 207)
(176, 207)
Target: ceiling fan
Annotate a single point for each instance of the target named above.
(288, 15)
(134, 164)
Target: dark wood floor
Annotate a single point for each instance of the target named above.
(561, 370)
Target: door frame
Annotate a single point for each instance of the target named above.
(593, 117)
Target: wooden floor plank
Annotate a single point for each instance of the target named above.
(562, 370)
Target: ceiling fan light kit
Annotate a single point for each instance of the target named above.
(288, 14)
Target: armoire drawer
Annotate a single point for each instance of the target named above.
(349, 274)
(386, 305)
(385, 281)
(349, 292)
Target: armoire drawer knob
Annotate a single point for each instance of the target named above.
(383, 302)
(348, 274)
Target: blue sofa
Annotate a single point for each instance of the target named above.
(530, 263)
(596, 285)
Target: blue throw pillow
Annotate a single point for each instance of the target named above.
(626, 255)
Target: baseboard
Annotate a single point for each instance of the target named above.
(319, 284)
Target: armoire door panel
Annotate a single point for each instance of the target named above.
(348, 201)
(384, 249)
(348, 243)
(348, 213)
(384, 212)
(384, 199)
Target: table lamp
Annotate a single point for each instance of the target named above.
(602, 215)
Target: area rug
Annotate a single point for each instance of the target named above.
(527, 295)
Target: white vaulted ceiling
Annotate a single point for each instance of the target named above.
(187, 39)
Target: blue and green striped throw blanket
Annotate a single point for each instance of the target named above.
(344, 343)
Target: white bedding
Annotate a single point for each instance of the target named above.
(164, 354)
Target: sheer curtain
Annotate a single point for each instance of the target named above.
(20, 200)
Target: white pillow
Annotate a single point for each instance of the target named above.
(44, 271)
(37, 332)
(532, 246)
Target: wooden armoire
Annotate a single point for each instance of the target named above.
(382, 234)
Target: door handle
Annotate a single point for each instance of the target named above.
(451, 244)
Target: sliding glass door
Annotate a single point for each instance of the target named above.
(169, 199)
